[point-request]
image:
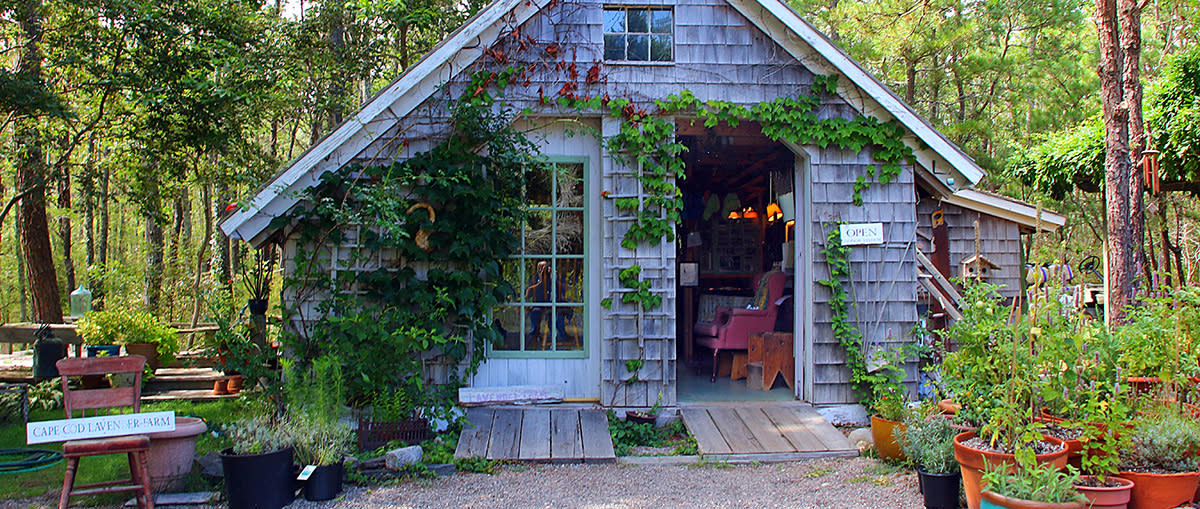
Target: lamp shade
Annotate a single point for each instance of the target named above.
(787, 204)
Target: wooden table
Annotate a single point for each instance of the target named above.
(774, 352)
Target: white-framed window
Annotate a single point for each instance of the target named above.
(639, 34)
(547, 316)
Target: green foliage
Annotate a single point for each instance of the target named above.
(314, 398)
(46, 395)
(121, 326)
(977, 372)
(478, 465)
(1062, 161)
(1035, 482)
(1161, 336)
(628, 434)
(257, 435)
(826, 85)
(928, 441)
(380, 329)
(1162, 441)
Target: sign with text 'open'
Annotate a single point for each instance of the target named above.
(858, 234)
(98, 427)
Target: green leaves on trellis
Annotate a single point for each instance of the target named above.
(836, 257)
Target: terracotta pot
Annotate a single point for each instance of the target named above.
(993, 500)
(1107, 498)
(235, 384)
(972, 461)
(172, 452)
(948, 406)
(1144, 384)
(221, 386)
(883, 433)
(1151, 491)
(1074, 447)
(147, 350)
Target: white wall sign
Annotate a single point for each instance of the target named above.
(857, 234)
(97, 427)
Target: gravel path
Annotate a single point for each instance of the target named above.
(824, 483)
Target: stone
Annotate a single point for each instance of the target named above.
(862, 439)
(167, 500)
(396, 459)
(442, 469)
(845, 415)
(210, 465)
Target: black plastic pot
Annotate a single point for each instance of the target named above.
(324, 483)
(257, 306)
(940, 490)
(260, 481)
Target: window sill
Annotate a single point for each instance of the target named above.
(638, 63)
(534, 354)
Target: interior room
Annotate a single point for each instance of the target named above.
(735, 287)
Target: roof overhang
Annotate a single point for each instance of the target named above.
(1017, 211)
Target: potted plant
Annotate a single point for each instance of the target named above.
(395, 415)
(139, 332)
(888, 406)
(1160, 459)
(1101, 445)
(1031, 486)
(258, 280)
(928, 441)
(258, 468)
(645, 417)
(314, 400)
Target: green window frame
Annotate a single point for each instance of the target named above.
(549, 314)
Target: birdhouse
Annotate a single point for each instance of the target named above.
(978, 267)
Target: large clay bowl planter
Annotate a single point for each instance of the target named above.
(1153, 491)
(972, 463)
(172, 452)
(147, 350)
(948, 406)
(991, 500)
(883, 433)
(1108, 498)
(1074, 447)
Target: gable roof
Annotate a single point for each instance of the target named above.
(775, 19)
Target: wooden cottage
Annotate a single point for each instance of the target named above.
(755, 209)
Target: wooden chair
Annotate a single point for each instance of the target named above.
(135, 446)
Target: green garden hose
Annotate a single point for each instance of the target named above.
(14, 461)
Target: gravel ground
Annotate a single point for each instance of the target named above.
(824, 483)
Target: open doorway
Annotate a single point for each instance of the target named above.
(736, 266)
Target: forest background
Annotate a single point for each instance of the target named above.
(131, 125)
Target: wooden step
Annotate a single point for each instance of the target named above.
(168, 379)
(185, 394)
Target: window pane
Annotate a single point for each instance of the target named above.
(569, 328)
(569, 237)
(570, 185)
(639, 20)
(570, 280)
(537, 188)
(660, 22)
(509, 320)
(537, 232)
(537, 328)
(660, 48)
(614, 20)
(537, 281)
(639, 47)
(512, 276)
(614, 47)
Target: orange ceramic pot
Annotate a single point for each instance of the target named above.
(948, 406)
(1153, 491)
(1108, 498)
(972, 463)
(885, 434)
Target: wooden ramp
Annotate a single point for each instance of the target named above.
(538, 434)
(764, 433)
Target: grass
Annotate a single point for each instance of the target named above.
(111, 467)
(815, 472)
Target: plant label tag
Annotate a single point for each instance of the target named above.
(306, 473)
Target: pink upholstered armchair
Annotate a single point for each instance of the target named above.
(731, 328)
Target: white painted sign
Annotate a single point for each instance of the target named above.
(858, 234)
(97, 427)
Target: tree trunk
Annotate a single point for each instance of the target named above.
(1131, 51)
(205, 202)
(224, 271)
(101, 239)
(910, 80)
(31, 174)
(152, 290)
(22, 294)
(64, 228)
(1116, 164)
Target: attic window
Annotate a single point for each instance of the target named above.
(639, 34)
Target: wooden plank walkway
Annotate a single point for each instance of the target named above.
(539, 434)
(764, 433)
